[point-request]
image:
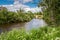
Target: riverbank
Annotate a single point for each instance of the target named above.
(44, 33)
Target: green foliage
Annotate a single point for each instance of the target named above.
(45, 33)
(6, 17)
(13, 17)
(52, 12)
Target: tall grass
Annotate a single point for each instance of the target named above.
(45, 33)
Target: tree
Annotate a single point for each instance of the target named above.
(20, 11)
(52, 11)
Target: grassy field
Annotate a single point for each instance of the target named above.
(45, 33)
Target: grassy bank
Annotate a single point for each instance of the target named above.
(45, 33)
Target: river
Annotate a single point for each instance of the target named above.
(34, 23)
(8, 27)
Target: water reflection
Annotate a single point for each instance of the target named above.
(8, 27)
(35, 23)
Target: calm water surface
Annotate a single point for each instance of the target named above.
(8, 27)
(34, 23)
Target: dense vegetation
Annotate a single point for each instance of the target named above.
(45, 33)
(52, 11)
(13, 17)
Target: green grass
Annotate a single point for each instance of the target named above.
(45, 33)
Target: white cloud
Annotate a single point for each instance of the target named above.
(24, 1)
(36, 9)
(16, 6)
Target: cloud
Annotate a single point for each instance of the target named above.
(16, 6)
(36, 9)
(24, 1)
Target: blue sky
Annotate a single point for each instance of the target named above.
(8, 2)
(27, 5)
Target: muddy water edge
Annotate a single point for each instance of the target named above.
(10, 26)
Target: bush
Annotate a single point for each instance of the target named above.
(13, 17)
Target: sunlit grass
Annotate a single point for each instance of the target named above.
(45, 33)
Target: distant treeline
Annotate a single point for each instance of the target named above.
(19, 16)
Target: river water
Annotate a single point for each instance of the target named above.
(34, 23)
(8, 27)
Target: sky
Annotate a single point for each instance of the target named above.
(31, 4)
